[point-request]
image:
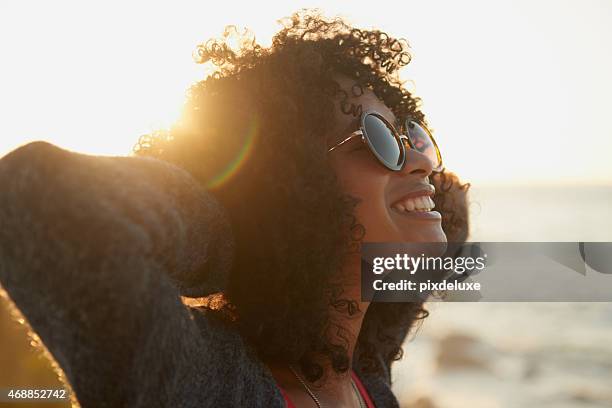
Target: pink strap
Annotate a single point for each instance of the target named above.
(360, 387)
(288, 403)
(362, 391)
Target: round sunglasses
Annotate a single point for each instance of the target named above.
(389, 146)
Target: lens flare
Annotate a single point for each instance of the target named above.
(234, 165)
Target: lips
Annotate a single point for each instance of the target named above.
(422, 203)
(416, 201)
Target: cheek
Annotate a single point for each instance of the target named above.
(365, 179)
(369, 183)
(360, 175)
(374, 216)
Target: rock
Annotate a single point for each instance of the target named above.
(459, 351)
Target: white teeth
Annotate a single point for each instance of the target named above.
(431, 203)
(419, 204)
(422, 203)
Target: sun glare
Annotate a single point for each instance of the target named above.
(508, 101)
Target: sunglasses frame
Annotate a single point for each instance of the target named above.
(401, 139)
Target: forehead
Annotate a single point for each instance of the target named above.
(368, 101)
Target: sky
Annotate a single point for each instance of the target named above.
(517, 92)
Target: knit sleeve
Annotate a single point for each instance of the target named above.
(93, 252)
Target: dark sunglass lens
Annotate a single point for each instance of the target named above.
(383, 141)
(423, 142)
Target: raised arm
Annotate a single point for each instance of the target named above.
(94, 252)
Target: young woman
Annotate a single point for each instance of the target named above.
(286, 159)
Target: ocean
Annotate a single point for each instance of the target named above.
(498, 355)
(477, 355)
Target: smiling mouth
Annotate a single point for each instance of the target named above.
(422, 203)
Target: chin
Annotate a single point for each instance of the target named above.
(430, 234)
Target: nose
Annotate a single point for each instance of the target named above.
(416, 164)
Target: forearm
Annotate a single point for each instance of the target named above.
(92, 252)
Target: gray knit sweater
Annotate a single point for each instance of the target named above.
(95, 253)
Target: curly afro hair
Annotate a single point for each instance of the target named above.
(253, 132)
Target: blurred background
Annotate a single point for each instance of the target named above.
(516, 93)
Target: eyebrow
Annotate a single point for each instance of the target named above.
(355, 124)
(395, 122)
